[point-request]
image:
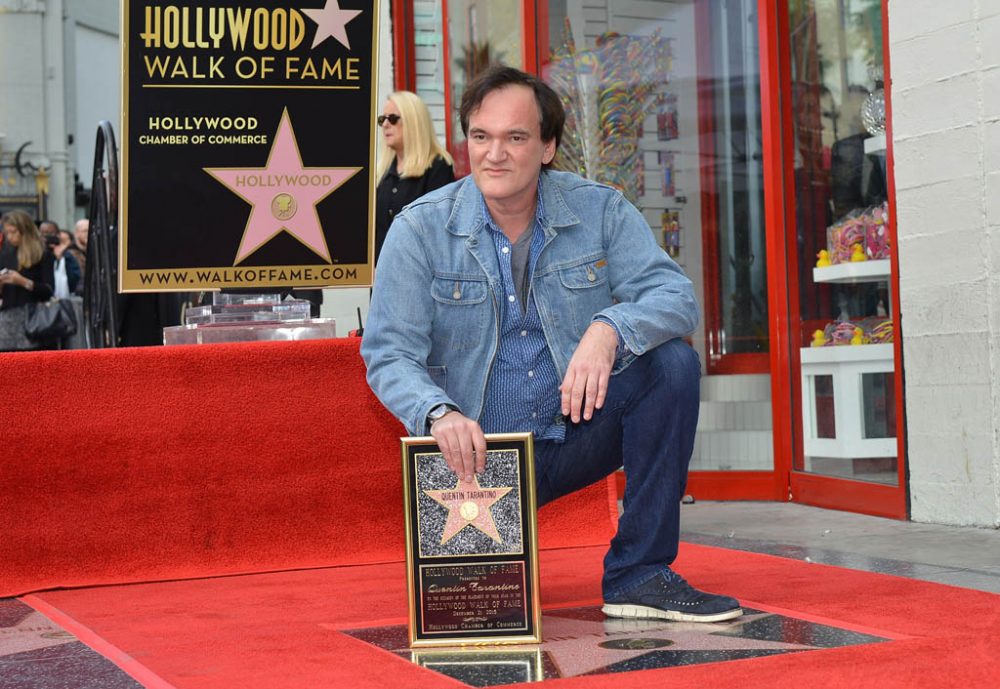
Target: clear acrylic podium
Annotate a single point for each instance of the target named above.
(249, 318)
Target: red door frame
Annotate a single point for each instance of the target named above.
(717, 362)
(404, 54)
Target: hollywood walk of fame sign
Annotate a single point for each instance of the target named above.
(471, 546)
(248, 144)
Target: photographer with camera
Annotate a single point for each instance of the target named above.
(66, 268)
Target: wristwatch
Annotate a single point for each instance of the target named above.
(437, 413)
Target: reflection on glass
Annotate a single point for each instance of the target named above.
(824, 419)
(878, 395)
(480, 33)
(841, 209)
(663, 102)
(836, 46)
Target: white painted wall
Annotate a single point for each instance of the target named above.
(945, 59)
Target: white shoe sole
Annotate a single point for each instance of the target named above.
(644, 612)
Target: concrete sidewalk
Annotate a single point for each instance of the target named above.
(960, 556)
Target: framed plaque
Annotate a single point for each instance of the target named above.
(471, 546)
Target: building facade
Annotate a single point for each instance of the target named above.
(768, 143)
(59, 76)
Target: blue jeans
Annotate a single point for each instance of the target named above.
(647, 425)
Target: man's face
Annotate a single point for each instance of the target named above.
(506, 151)
(80, 233)
(47, 229)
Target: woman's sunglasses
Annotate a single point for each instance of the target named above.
(393, 119)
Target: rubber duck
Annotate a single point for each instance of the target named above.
(823, 258)
(819, 339)
(857, 253)
(859, 336)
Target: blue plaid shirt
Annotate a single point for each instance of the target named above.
(522, 392)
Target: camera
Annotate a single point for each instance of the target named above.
(51, 240)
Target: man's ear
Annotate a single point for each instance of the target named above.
(549, 152)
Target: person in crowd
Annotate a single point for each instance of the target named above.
(411, 161)
(26, 275)
(526, 299)
(81, 232)
(66, 267)
(48, 229)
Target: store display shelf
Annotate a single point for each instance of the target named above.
(843, 354)
(875, 145)
(860, 271)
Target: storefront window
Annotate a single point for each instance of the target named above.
(663, 102)
(842, 236)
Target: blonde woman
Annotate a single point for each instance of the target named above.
(26, 275)
(411, 161)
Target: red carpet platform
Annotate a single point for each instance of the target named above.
(194, 461)
(273, 631)
(227, 512)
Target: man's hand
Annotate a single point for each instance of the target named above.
(462, 442)
(586, 382)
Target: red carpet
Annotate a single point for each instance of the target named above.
(176, 462)
(278, 630)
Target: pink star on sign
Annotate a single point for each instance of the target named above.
(284, 194)
(331, 21)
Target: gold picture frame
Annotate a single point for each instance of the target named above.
(471, 547)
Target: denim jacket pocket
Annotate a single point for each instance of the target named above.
(590, 272)
(458, 291)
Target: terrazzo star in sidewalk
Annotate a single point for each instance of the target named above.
(284, 194)
(331, 21)
(469, 504)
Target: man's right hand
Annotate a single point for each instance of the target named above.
(462, 443)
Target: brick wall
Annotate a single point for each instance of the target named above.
(945, 61)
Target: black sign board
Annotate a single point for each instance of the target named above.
(471, 546)
(248, 144)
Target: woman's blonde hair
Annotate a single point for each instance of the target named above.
(420, 144)
(30, 248)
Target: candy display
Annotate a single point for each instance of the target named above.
(867, 229)
(872, 330)
(607, 93)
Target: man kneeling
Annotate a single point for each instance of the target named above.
(525, 299)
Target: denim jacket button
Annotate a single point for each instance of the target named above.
(456, 294)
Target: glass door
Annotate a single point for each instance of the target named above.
(663, 101)
(841, 254)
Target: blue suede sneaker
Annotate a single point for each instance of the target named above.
(667, 596)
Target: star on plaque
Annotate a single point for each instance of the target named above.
(331, 21)
(284, 194)
(468, 504)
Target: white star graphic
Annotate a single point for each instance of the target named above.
(331, 21)
(33, 633)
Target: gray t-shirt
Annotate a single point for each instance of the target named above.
(519, 252)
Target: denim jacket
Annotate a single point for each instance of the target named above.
(433, 325)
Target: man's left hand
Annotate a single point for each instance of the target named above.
(586, 382)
